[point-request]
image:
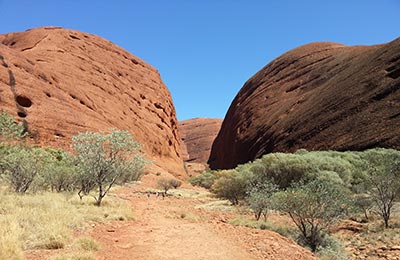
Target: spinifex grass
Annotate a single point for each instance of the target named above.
(46, 221)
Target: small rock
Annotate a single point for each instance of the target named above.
(110, 230)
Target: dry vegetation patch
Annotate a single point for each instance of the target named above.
(47, 221)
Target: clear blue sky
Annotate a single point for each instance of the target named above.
(205, 50)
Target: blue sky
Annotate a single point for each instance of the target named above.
(205, 50)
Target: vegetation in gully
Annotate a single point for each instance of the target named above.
(314, 189)
(49, 178)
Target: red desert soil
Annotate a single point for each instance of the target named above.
(60, 82)
(319, 96)
(174, 228)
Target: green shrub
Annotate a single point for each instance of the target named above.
(230, 185)
(259, 198)
(60, 173)
(9, 129)
(205, 180)
(383, 181)
(21, 166)
(313, 208)
(331, 249)
(104, 160)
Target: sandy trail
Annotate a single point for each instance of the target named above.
(176, 228)
(161, 231)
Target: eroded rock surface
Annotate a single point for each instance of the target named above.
(198, 135)
(319, 96)
(60, 82)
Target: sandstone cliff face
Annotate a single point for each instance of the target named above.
(197, 136)
(319, 96)
(61, 82)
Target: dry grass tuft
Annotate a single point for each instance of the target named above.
(74, 256)
(87, 243)
(46, 221)
(283, 230)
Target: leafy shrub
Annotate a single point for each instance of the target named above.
(259, 198)
(285, 169)
(230, 185)
(9, 129)
(205, 180)
(168, 183)
(175, 183)
(383, 181)
(60, 173)
(331, 249)
(21, 165)
(313, 208)
(104, 160)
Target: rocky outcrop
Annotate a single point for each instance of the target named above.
(60, 82)
(319, 96)
(197, 136)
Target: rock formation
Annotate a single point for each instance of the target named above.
(197, 136)
(319, 96)
(60, 82)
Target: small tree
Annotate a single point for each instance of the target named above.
(259, 198)
(22, 165)
(167, 184)
(164, 184)
(104, 160)
(313, 208)
(231, 185)
(383, 183)
(364, 202)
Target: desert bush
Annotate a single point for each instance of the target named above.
(104, 160)
(60, 172)
(168, 183)
(364, 203)
(230, 185)
(313, 208)
(331, 249)
(87, 243)
(175, 183)
(383, 181)
(284, 169)
(205, 180)
(259, 198)
(9, 129)
(21, 165)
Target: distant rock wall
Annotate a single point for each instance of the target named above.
(60, 82)
(319, 96)
(198, 135)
